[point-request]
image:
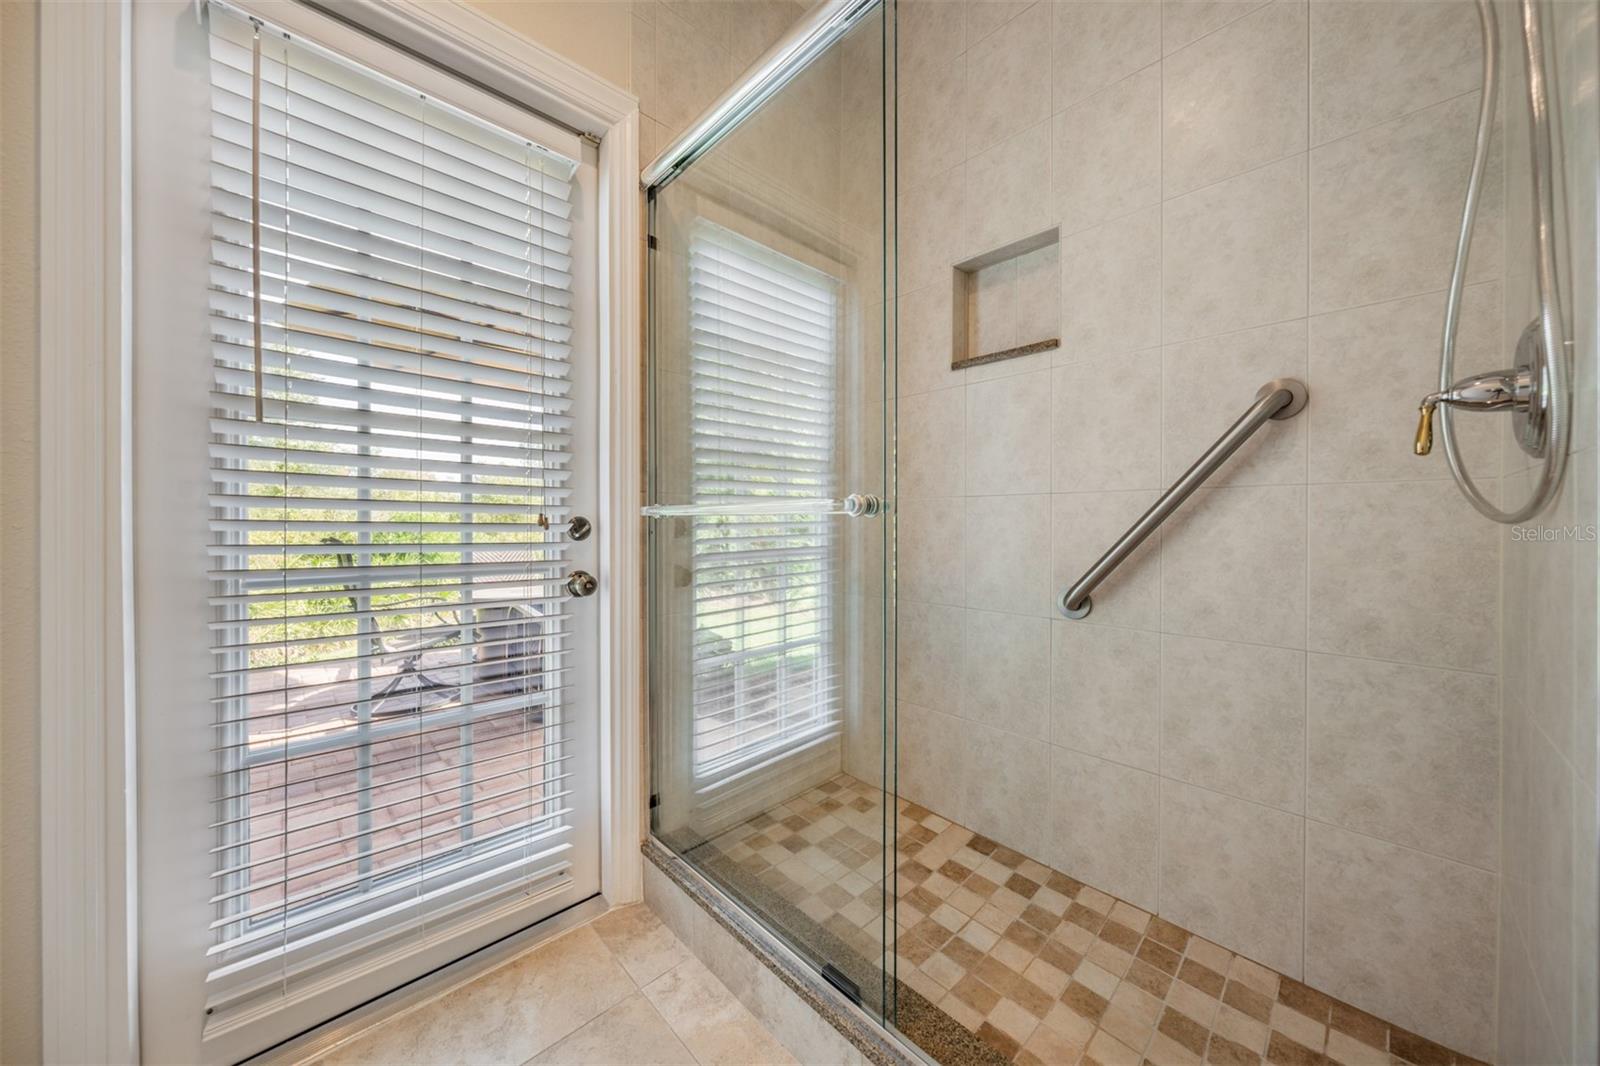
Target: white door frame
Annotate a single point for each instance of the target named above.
(89, 920)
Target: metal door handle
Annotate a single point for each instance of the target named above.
(582, 583)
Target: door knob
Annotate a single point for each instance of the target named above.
(582, 583)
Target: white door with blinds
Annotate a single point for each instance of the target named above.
(364, 417)
(763, 367)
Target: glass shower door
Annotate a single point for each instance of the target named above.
(768, 523)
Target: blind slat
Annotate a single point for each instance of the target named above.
(391, 315)
(763, 365)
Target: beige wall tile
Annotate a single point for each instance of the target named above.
(930, 134)
(1111, 288)
(928, 34)
(1086, 523)
(1008, 554)
(933, 766)
(1183, 21)
(644, 69)
(1103, 437)
(928, 653)
(1233, 719)
(1233, 566)
(1106, 152)
(1231, 871)
(926, 332)
(1234, 253)
(1007, 673)
(1206, 384)
(695, 70)
(756, 25)
(1007, 787)
(1008, 435)
(709, 19)
(1009, 71)
(1374, 62)
(1097, 44)
(984, 17)
(1402, 934)
(1105, 818)
(1352, 428)
(1235, 99)
(1386, 568)
(1008, 190)
(796, 1024)
(1524, 1021)
(668, 902)
(932, 233)
(1107, 692)
(930, 565)
(1542, 781)
(1402, 753)
(1540, 677)
(1386, 208)
(932, 444)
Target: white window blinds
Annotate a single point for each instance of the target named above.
(391, 305)
(763, 336)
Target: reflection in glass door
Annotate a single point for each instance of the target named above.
(768, 518)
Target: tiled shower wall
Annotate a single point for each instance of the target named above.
(686, 52)
(1280, 725)
(1549, 903)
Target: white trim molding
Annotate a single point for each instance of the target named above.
(86, 756)
(622, 531)
(479, 48)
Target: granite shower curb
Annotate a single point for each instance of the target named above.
(874, 1042)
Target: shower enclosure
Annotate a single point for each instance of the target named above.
(954, 309)
(771, 385)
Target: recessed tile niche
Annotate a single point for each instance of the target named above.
(998, 312)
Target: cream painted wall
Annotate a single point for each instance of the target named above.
(19, 735)
(595, 34)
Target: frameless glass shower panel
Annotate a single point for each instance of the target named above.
(768, 522)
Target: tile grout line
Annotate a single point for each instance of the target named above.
(1100, 914)
(1305, 659)
(1161, 458)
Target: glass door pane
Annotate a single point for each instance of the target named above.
(768, 523)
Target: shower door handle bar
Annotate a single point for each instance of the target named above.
(1277, 399)
(855, 505)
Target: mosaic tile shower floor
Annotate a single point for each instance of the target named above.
(1040, 967)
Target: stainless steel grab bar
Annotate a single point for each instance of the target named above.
(1276, 400)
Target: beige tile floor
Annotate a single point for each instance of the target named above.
(1046, 970)
(621, 990)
